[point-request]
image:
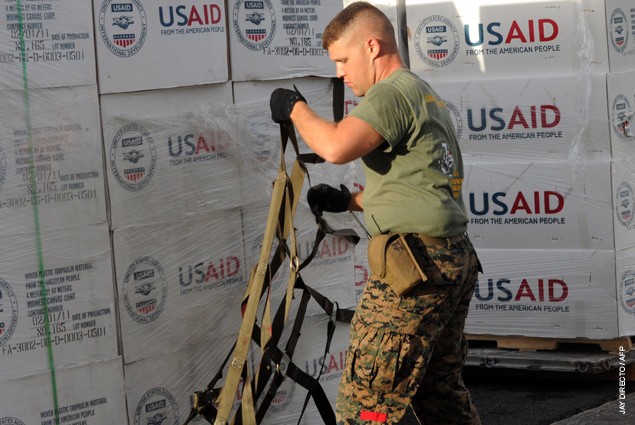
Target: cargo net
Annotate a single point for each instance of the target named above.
(261, 358)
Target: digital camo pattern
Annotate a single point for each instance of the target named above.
(406, 353)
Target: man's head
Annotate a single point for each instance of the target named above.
(361, 42)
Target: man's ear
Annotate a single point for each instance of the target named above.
(374, 46)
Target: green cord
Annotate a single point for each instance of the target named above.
(36, 214)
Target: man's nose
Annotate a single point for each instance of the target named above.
(339, 71)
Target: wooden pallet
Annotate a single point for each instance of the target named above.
(524, 343)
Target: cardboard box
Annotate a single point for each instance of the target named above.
(283, 38)
(162, 386)
(77, 268)
(539, 205)
(179, 282)
(331, 272)
(625, 274)
(621, 105)
(623, 202)
(56, 47)
(51, 162)
(546, 293)
(263, 143)
(171, 153)
(91, 394)
(620, 31)
(480, 40)
(145, 45)
(554, 118)
(310, 356)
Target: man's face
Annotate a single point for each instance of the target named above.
(352, 63)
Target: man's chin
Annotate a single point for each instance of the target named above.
(357, 92)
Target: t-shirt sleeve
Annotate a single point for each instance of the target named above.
(384, 109)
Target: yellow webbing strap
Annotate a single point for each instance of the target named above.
(279, 219)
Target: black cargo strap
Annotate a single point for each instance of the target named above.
(215, 403)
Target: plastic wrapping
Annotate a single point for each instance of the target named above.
(56, 47)
(284, 37)
(149, 205)
(460, 40)
(145, 45)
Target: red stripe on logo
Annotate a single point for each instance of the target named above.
(365, 415)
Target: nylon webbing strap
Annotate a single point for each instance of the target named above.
(239, 357)
(216, 404)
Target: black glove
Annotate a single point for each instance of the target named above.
(282, 102)
(327, 198)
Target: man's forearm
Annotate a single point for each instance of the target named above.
(355, 203)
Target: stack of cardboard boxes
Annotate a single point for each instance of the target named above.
(59, 357)
(136, 164)
(142, 131)
(540, 92)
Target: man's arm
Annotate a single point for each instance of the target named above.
(337, 143)
(355, 203)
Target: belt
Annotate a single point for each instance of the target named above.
(434, 241)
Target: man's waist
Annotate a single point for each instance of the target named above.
(437, 241)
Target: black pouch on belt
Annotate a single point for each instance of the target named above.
(394, 257)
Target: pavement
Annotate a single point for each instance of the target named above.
(534, 397)
(614, 412)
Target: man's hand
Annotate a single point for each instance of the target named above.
(323, 197)
(282, 102)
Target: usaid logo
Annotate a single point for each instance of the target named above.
(123, 26)
(3, 167)
(8, 313)
(621, 112)
(627, 291)
(437, 41)
(624, 206)
(157, 407)
(145, 289)
(507, 290)
(133, 157)
(455, 115)
(254, 23)
(618, 30)
(188, 16)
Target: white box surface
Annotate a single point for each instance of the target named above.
(144, 45)
(56, 47)
(545, 293)
(555, 118)
(179, 282)
(170, 153)
(263, 144)
(621, 104)
(485, 40)
(623, 202)
(625, 274)
(539, 205)
(310, 357)
(620, 31)
(92, 394)
(77, 266)
(51, 148)
(161, 386)
(331, 272)
(282, 38)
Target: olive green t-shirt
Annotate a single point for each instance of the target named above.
(414, 179)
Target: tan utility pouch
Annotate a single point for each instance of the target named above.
(394, 258)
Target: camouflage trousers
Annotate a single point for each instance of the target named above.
(406, 354)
